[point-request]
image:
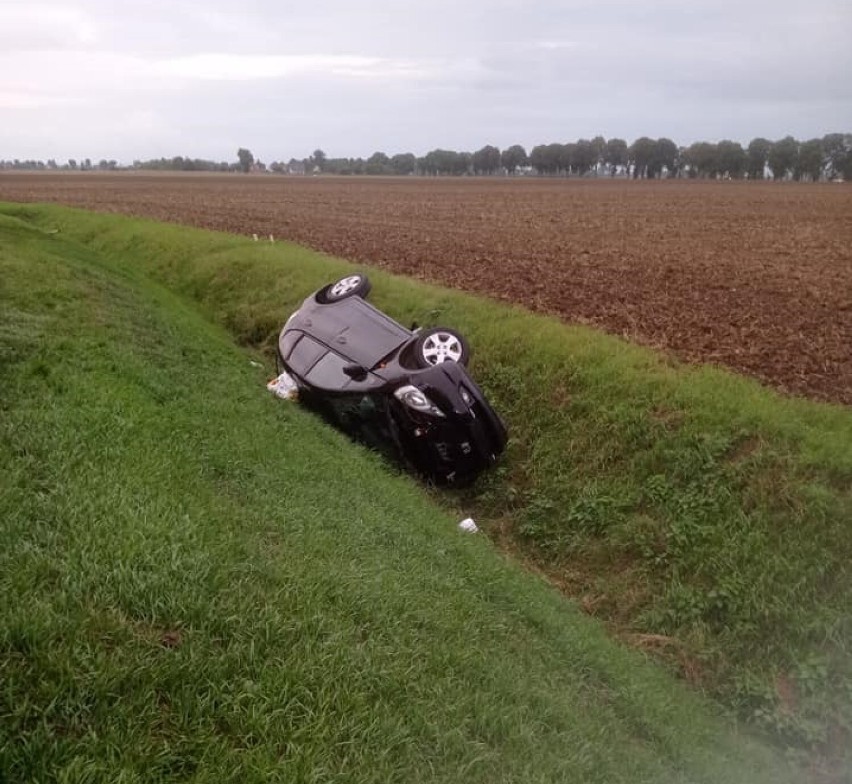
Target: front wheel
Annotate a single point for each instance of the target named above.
(439, 344)
(350, 286)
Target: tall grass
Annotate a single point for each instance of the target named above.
(704, 518)
(199, 582)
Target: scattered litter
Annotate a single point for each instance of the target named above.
(468, 525)
(255, 364)
(284, 386)
(254, 237)
(271, 238)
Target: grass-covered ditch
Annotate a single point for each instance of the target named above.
(201, 580)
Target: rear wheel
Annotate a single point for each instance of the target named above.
(350, 286)
(438, 344)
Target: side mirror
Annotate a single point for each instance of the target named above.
(355, 372)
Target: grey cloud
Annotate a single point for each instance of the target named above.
(156, 78)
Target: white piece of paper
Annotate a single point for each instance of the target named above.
(284, 386)
(468, 525)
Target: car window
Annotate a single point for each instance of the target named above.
(328, 374)
(305, 353)
(363, 417)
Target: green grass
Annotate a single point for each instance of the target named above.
(679, 502)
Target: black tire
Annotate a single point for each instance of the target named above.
(355, 285)
(439, 344)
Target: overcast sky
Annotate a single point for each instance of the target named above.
(125, 79)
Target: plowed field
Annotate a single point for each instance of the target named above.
(754, 276)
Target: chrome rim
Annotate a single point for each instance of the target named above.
(343, 287)
(441, 347)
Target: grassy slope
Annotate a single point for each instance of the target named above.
(701, 515)
(199, 581)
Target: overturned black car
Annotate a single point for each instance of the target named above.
(404, 392)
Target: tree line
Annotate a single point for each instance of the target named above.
(177, 163)
(826, 158)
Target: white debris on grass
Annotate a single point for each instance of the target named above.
(468, 525)
(284, 386)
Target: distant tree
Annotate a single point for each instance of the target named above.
(378, 163)
(180, 163)
(438, 161)
(332, 165)
(446, 162)
(428, 164)
(348, 166)
(539, 159)
(486, 160)
(702, 158)
(455, 163)
(599, 150)
(731, 159)
(87, 164)
(551, 158)
(72, 164)
(318, 159)
(246, 159)
(615, 155)
(809, 165)
(565, 156)
(640, 154)
(583, 157)
(664, 156)
(757, 155)
(837, 153)
(846, 163)
(783, 157)
(513, 157)
(403, 163)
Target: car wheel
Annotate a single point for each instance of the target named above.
(438, 344)
(350, 286)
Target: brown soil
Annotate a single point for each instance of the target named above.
(754, 276)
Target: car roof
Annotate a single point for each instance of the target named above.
(354, 329)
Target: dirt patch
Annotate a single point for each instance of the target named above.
(753, 276)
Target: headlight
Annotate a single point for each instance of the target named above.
(414, 398)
